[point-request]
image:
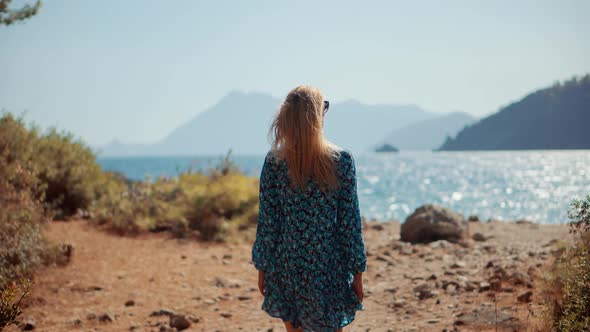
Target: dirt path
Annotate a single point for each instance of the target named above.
(117, 283)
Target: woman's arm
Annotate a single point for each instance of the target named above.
(263, 248)
(349, 219)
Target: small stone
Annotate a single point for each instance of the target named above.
(525, 297)
(244, 297)
(227, 256)
(162, 312)
(129, 303)
(398, 303)
(76, 322)
(225, 315)
(458, 265)
(473, 218)
(484, 286)
(28, 325)
(433, 321)
(440, 244)
(423, 291)
(479, 237)
(179, 322)
(106, 318)
(377, 227)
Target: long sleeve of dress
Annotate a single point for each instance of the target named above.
(349, 219)
(266, 232)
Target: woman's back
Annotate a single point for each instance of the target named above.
(309, 243)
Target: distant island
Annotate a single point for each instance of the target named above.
(557, 117)
(386, 148)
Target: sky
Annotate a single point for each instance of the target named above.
(135, 70)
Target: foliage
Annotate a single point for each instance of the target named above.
(580, 215)
(22, 215)
(9, 16)
(64, 174)
(24, 212)
(68, 170)
(10, 307)
(570, 287)
(216, 204)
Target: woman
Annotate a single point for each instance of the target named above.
(309, 248)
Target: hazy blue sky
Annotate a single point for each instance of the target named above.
(134, 70)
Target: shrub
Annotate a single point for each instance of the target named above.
(69, 172)
(570, 287)
(10, 307)
(225, 202)
(64, 173)
(217, 204)
(23, 215)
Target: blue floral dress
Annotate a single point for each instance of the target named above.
(310, 245)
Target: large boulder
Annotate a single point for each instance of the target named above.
(432, 223)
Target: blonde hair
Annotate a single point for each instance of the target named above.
(299, 139)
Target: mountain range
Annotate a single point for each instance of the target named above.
(557, 117)
(240, 121)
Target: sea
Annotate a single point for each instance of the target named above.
(501, 185)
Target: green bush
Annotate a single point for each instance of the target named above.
(22, 243)
(64, 173)
(570, 286)
(219, 204)
(23, 214)
(69, 172)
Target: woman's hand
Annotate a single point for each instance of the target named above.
(357, 286)
(261, 282)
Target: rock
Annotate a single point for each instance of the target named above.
(479, 237)
(440, 244)
(377, 227)
(473, 218)
(488, 317)
(91, 316)
(106, 318)
(398, 303)
(523, 222)
(162, 312)
(525, 297)
(129, 303)
(518, 278)
(430, 223)
(423, 291)
(166, 329)
(471, 286)
(28, 325)
(179, 322)
(227, 283)
(484, 286)
(244, 297)
(76, 322)
(227, 256)
(225, 315)
(433, 321)
(458, 265)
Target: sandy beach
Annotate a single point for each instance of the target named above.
(148, 282)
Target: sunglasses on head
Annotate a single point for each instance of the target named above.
(326, 106)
